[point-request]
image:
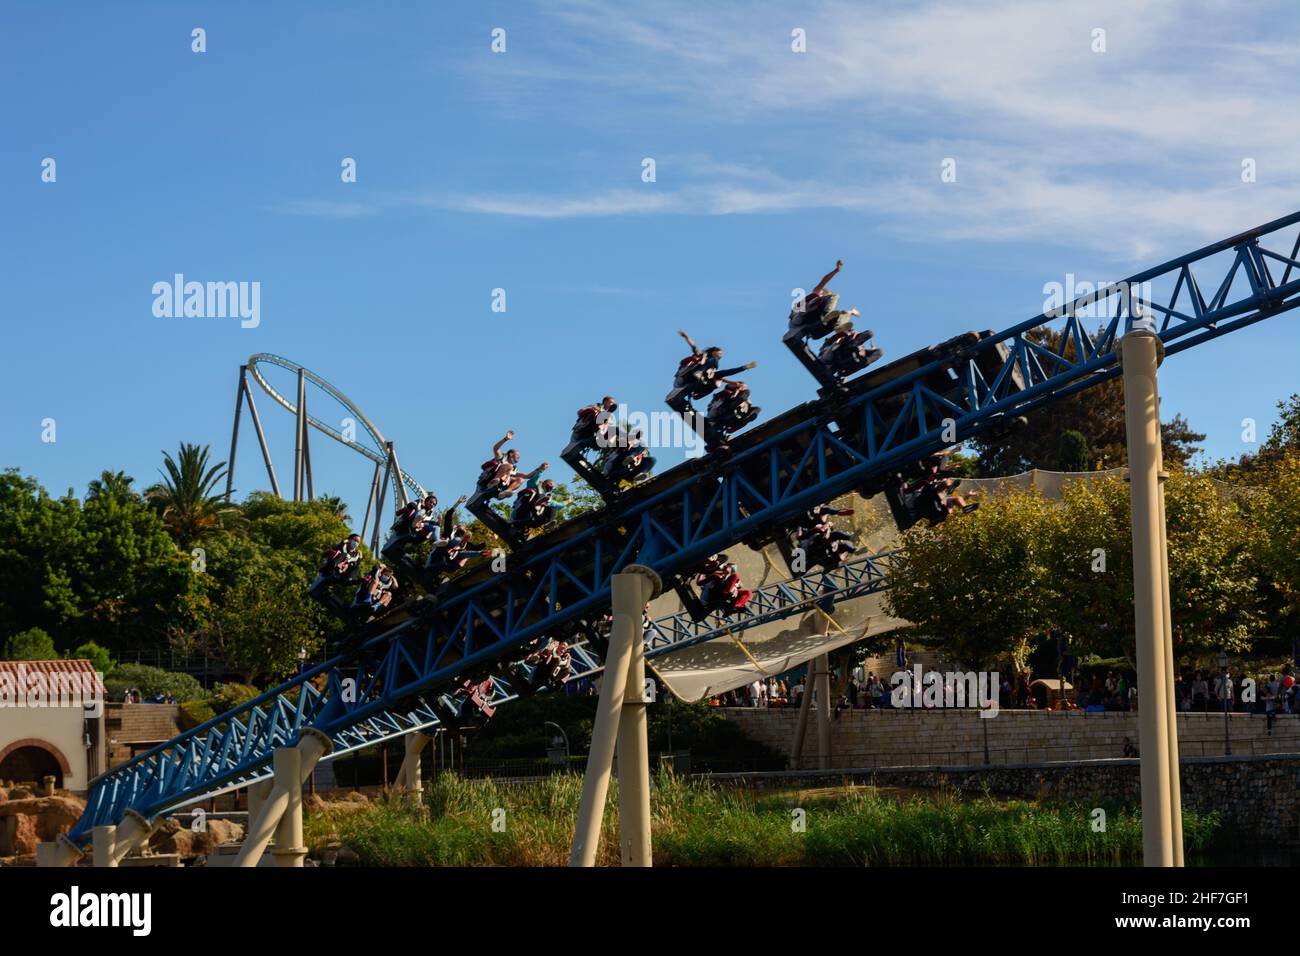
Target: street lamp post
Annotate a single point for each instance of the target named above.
(1225, 693)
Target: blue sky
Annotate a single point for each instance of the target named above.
(522, 170)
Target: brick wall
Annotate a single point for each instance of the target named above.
(884, 738)
(125, 723)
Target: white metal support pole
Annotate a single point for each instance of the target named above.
(410, 777)
(312, 746)
(288, 850)
(631, 593)
(1171, 705)
(1140, 354)
(58, 852)
(102, 840)
(633, 588)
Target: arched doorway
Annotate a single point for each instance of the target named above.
(30, 761)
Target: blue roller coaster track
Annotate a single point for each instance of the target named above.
(851, 438)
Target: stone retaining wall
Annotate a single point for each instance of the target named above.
(883, 738)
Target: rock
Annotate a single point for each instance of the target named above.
(25, 836)
(174, 840)
(225, 831)
(176, 836)
(347, 857)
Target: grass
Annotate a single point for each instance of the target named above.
(701, 824)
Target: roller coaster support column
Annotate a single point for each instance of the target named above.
(1140, 354)
(300, 432)
(58, 852)
(379, 498)
(291, 772)
(133, 832)
(823, 664)
(234, 432)
(1171, 705)
(103, 839)
(409, 776)
(621, 724)
(801, 726)
(288, 850)
(374, 491)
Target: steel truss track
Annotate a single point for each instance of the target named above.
(842, 442)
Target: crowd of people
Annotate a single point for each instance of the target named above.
(132, 696)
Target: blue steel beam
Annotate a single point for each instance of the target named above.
(861, 576)
(845, 441)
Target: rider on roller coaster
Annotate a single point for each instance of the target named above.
(719, 583)
(816, 315)
(500, 476)
(418, 518)
(453, 552)
(535, 505)
(729, 411)
(595, 424)
(375, 592)
(846, 351)
(341, 561)
(698, 375)
(628, 459)
(824, 546)
(551, 664)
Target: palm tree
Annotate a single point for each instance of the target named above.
(112, 484)
(336, 507)
(184, 499)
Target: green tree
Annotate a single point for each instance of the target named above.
(1212, 587)
(185, 499)
(336, 507)
(104, 570)
(1284, 437)
(32, 644)
(257, 617)
(99, 657)
(1074, 455)
(976, 584)
(1276, 512)
(113, 484)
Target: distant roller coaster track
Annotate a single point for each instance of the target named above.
(377, 455)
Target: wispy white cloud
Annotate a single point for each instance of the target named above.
(328, 208)
(1124, 151)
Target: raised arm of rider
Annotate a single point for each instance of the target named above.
(821, 286)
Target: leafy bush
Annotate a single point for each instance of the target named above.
(150, 681)
(191, 713)
(99, 657)
(32, 644)
(229, 696)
